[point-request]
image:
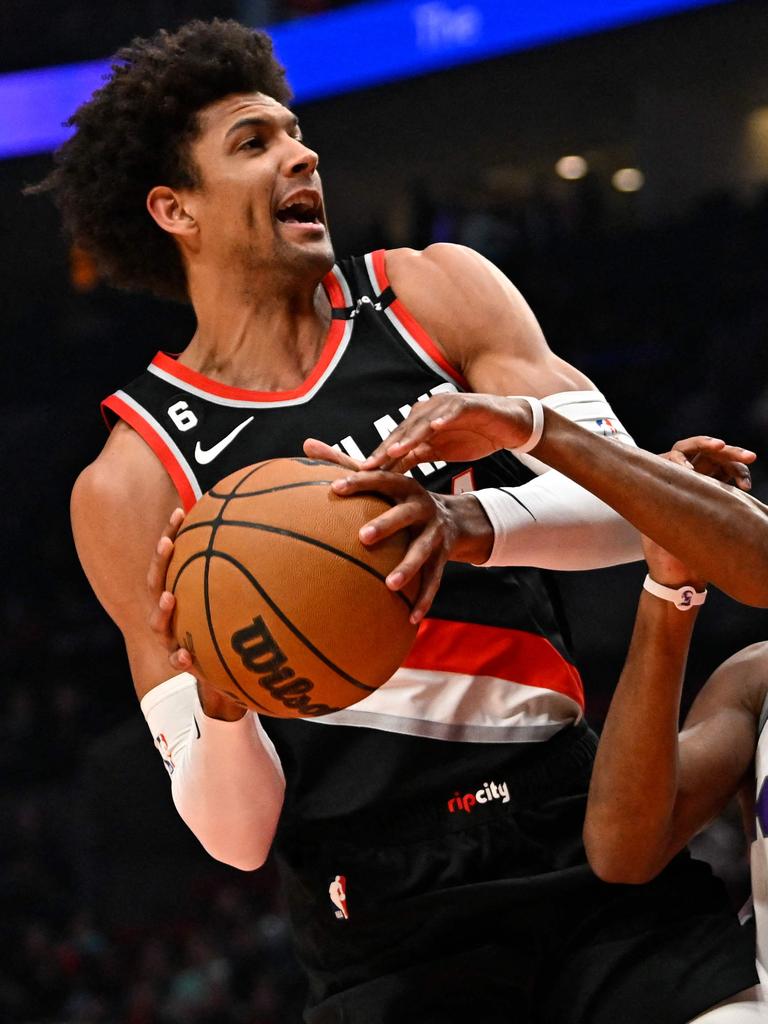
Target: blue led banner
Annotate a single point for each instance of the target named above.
(345, 50)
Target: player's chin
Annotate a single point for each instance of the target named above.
(310, 242)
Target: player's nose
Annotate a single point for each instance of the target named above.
(301, 159)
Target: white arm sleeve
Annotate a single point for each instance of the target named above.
(226, 779)
(553, 523)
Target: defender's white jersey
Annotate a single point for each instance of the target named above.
(759, 855)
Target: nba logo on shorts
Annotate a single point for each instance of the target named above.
(337, 891)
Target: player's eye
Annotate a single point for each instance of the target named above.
(253, 142)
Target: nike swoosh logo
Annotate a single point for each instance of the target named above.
(206, 455)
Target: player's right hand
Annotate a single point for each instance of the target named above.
(215, 704)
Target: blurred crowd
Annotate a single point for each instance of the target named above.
(110, 913)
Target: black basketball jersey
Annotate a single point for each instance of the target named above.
(489, 675)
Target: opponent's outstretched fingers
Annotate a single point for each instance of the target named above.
(712, 457)
(678, 458)
(431, 577)
(427, 555)
(415, 429)
(315, 449)
(691, 446)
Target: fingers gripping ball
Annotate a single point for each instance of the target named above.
(283, 607)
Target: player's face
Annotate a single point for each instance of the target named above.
(261, 202)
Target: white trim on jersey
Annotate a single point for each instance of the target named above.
(341, 281)
(166, 438)
(464, 708)
(402, 330)
(242, 403)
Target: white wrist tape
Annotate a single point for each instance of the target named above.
(590, 410)
(683, 598)
(553, 523)
(537, 412)
(226, 779)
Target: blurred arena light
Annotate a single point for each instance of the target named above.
(348, 49)
(757, 144)
(628, 179)
(571, 168)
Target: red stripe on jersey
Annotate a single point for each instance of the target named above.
(171, 365)
(466, 648)
(411, 324)
(158, 446)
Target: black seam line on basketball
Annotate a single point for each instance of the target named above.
(284, 618)
(208, 552)
(283, 532)
(211, 631)
(520, 503)
(251, 472)
(286, 487)
(273, 490)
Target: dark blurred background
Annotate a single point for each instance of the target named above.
(645, 256)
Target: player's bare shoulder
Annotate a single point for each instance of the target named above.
(746, 672)
(120, 504)
(480, 320)
(739, 684)
(451, 288)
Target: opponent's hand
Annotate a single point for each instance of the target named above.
(454, 428)
(315, 449)
(712, 457)
(441, 526)
(215, 704)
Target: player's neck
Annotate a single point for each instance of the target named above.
(264, 341)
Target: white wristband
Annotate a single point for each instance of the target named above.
(683, 598)
(537, 411)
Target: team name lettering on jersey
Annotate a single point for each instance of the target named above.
(489, 791)
(385, 424)
(261, 654)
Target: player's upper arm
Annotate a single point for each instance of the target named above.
(717, 742)
(480, 320)
(120, 504)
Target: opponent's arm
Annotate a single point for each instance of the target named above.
(226, 780)
(651, 790)
(719, 531)
(565, 519)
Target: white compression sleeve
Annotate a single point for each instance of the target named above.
(553, 523)
(226, 779)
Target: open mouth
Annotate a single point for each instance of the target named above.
(299, 212)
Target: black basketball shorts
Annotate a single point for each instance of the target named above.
(491, 915)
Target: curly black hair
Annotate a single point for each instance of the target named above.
(135, 133)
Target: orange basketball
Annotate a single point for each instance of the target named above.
(283, 607)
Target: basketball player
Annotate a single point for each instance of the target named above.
(187, 175)
(651, 789)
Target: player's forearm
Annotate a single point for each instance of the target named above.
(226, 782)
(629, 827)
(720, 533)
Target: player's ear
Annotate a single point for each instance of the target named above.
(169, 210)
